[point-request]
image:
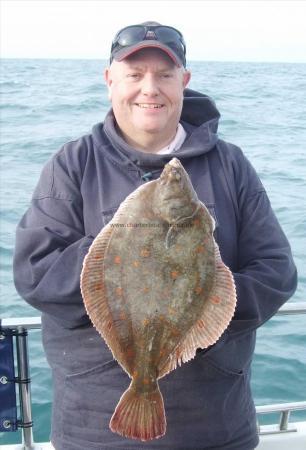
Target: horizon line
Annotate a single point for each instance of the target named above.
(55, 58)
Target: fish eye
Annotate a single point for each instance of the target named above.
(176, 174)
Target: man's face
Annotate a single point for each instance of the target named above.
(146, 91)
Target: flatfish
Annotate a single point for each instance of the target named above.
(156, 289)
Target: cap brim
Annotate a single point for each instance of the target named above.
(125, 52)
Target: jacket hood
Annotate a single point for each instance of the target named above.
(199, 118)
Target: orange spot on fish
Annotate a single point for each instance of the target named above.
(175, 331)
(117, 259)
(198, 290)
(196, 222)
(119, 291)
(174, 274)
(200, 249)
(98, 256)
(215, 299)
(98, 286)
(130, 353)
(145, 322)
(136, 263)
(135, 374)
(146, 290)
(146, 381)
(145, 252)
(162, 352)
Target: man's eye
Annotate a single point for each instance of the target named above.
(133, 75)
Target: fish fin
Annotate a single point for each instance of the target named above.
(94, 294)
(215, 317)
(139, 415)
(93, 287)
(170, 364)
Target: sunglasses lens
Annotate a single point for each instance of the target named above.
(167, 35)
(131, 36)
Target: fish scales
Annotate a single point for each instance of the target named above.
(156, 289)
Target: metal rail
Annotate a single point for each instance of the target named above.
(292, 308)
(34, 323)
(284, 409)
(24, 386)
(30, 323)
(21, 325)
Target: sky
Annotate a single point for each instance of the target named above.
(219, 30)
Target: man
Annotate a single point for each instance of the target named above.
(208, 401)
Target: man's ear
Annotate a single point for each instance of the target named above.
(186, 78)
(108, 81)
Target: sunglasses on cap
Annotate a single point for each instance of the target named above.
(167, 38)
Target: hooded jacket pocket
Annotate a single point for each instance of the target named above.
(223, 370)
(230, 356)
(89, 400)
(207, 401)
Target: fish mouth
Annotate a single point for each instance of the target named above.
(175, 162)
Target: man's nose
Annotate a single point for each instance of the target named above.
(150, 85)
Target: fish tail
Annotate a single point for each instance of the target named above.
(140, 415)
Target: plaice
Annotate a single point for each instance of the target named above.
(156, 289)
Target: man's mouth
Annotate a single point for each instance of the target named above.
(149, 105)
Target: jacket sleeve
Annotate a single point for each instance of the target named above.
(266, 275)
(51, 245)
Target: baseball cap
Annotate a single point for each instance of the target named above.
(149, 35)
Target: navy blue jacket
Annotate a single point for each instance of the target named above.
(208, 400)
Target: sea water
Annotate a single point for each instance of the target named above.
(45, 103)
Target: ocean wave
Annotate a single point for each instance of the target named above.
(11, 83)
(14, 107)
(73, 108)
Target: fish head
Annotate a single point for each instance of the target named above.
(174, 195)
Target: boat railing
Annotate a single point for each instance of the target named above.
(284, 409)
(18, 328)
